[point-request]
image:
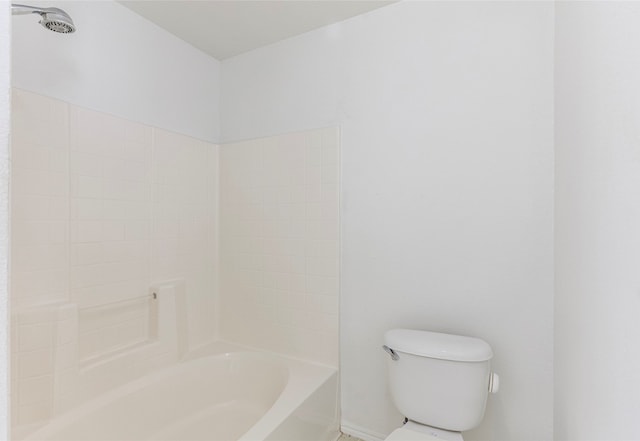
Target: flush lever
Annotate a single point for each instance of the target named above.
(391, 352)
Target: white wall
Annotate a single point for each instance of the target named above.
(446, 114)
(597, 301)
(5, 83)
(121, 64)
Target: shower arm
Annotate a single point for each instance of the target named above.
(17, 9)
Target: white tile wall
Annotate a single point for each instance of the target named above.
(110, 223)
(44, 346)
(279, 243)
(102, 208)
(39, 199)
(184, 194)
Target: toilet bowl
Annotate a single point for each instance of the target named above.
(439, 382)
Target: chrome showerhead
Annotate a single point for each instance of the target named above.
(57, 20)
(54, 19)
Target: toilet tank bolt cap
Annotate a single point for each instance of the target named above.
(494, 383)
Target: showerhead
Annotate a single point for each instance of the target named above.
(57, 20)
(54, 19)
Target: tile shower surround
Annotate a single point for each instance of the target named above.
(279, 254)
(104, 207)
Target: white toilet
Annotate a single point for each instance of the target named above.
(439, 382)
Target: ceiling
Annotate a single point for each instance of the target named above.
(224, 28)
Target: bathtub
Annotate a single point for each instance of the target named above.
(221, 393)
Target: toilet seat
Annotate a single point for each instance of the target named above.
(413, 431)
(403, 434)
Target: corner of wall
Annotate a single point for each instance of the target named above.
(5, 91)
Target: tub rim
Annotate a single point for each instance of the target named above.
(302, 379)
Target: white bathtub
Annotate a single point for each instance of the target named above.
(221, 393)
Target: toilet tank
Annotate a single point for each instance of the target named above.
(440, 380)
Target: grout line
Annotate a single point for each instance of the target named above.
(69, 180)
(215, 240)
(151, 198)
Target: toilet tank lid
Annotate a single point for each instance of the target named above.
(438, 345)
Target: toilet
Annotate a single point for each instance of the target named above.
(439, 382)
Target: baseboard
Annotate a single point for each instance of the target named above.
(360, 432)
